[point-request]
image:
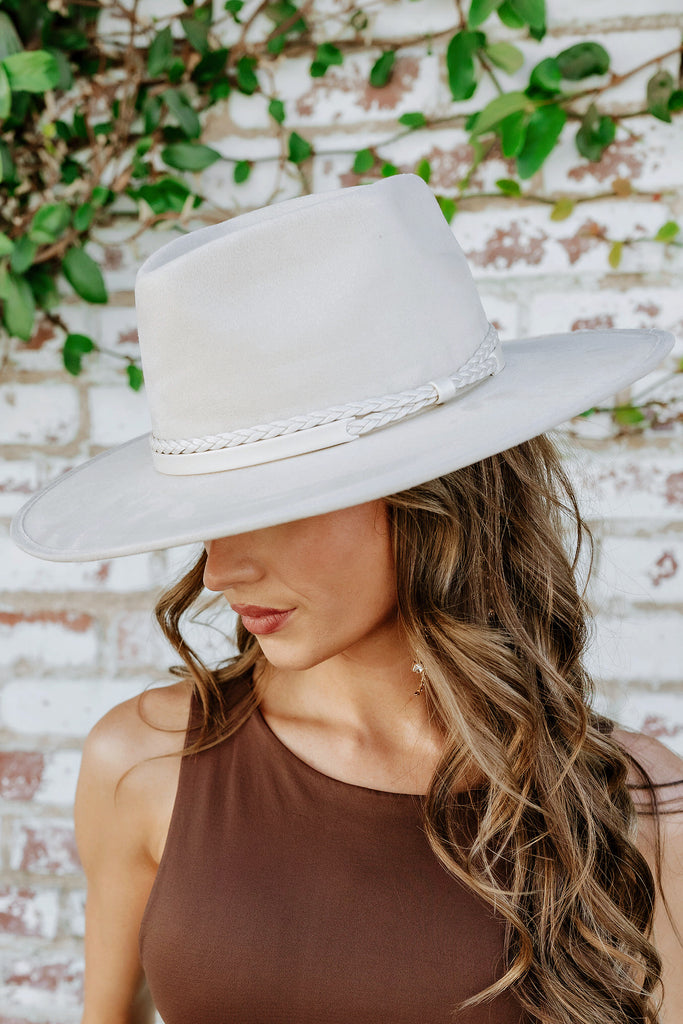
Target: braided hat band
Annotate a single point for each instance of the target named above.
(253, 446)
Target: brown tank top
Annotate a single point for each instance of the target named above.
(285, 896)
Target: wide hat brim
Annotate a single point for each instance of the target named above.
(118, 504)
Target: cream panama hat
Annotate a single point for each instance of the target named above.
(309, 356)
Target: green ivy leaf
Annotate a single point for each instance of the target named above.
(595, 134)
(189, 156)
(545, 78)
(19, 307)
(83, 216)
(543, 130)
(509, 17)
(509, 187)
(326, 55)
(363, 162)
(615, 254)
(241, 172)
(667, 232)
(6, 244)
(102, 196)
(627, 415)
(31, 71)
(9, 39)
(75, 347)
(183, 112)
(480, 10)
(135, 378)
(197, 34)
(460, 63)
(512, 131)
(84, 275)
(562, 208)
(299, 148)
(532, 13)
(424, 170)
(413, 120)
(276, 44)
(676, 100)
(583, 59)
(498, 109)
(49, 223)
(5, 94)
(505, 56)
(659, 91)
(160, 52)
(381, 69)
(234, 7)
(447, 206)
(23, 254)
(276, 109)
(389, 170)
(167, 195)
(247, 82)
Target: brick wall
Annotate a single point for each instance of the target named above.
(76, 639)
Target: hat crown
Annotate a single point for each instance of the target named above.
(313, 302)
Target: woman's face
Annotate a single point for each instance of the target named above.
(314, 588)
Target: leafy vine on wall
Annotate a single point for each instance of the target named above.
(102, 126)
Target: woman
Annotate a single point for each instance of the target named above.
(394, 804)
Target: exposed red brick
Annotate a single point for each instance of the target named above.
(17, 913)
(21, 772)
(592, 323)
(49, 977)
(102, 573)
(655, 725)
(354, 80)
(48, 849)
(77, 623)
(667, 566)
(615, 159)
(586, 238)
(673, 489)
(506, 247)
(44, 332)
(128, 337)
(112, 258)
(649, 308)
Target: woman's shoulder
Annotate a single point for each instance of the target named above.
(662, 764)
(148, 725)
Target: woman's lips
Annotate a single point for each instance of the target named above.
(261, 621)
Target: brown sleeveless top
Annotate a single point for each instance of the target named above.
(285, 896)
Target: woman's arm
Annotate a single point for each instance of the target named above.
(123, 807)
(664, 767)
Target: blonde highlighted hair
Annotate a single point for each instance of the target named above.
(486, 561)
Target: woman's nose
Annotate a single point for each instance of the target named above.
(229, 564)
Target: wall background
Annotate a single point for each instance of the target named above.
(76, 639)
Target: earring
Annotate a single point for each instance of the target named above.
(420, 670)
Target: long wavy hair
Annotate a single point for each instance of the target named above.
(486, 563)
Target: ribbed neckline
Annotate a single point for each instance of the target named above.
(340, 784)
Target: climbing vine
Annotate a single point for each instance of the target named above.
(101, 125)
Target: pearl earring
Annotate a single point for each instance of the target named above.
(420, 670)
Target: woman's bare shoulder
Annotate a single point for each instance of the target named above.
(150, 725)
(662, 764)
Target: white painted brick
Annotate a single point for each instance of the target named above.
(40, 414)
(621, 485)
(118, 575)
(18, 480)
(43, 353)
(74, 914)
(268, 182)
(44, 846)
(571, 309)
(47, 638)
(503, 314)
(117, 414)
(592, 12)
(137, 641)
(344, 96)
(637, 647)
(60, 706)
(47, 985)
(525, 241)
(60, 775)
(655, 714)
(642, 155)
(643, 570)
(29, 912)
(403, 18)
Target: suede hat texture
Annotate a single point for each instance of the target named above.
(315, 354)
